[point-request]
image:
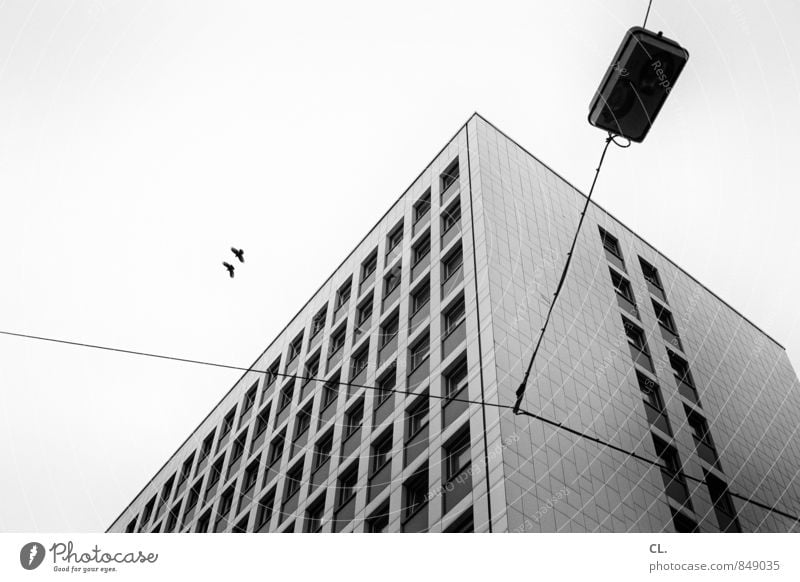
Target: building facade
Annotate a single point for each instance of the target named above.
(385, 404)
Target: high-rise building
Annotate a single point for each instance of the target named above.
(419, 340)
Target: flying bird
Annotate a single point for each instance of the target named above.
(229, 267)
(239, 254)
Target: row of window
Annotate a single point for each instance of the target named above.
(672, 473)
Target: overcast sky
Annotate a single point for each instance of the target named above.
(140, 140)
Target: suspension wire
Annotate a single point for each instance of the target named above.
(647, 14)
(543, 419)
(522, 387)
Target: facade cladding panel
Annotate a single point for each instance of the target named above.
(724, 390)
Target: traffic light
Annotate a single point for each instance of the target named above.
(637, 83)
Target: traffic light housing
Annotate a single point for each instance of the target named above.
(637, 83)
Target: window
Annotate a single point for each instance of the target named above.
(451, 217)
(215, 474)
(369, 266)
(248, 481)
(270, 378)
(422, 206)
(318, 321)
(295, 347)
(650, 273)
(225, 505)
(314, 515)
(166, 493)
(294, 478)
(699, 427)
(205, 450)
(131, 527)
(186, 470)
(665, 318)
(452, 264)
(262, 420)
(420, 296)
(204, 522)
(286, 395)
(457, 455)
(347, 485)
(672, 473)
(249, 399)
(721, 498)
(276, 449)
(227, 425)
(312, 367)
(415, 492)
(337, 340)
(330, 391)
(391, 280)
(194, 495)
(650, 391)
(418, 353)
(681, 369)
(417, 415)
(394, 239)
(622, 286)
(241, 527)
(454, 316)
(381, 449)
(422, 249)
(456, 380)
(464, 524)
(147, 513)
(360, 361)
(449, 176)
(364, 313)
(389, 330)
(302, 422)
(264, 510)
(610, 243)
(682, 523)
(322, 451)
(353, 419)
(343, 295)
(378, 522)
(237, 450)
(635, 336)
(386, 386)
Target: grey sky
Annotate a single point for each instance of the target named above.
(140, 140)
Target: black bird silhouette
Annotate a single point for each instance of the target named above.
(239, 254)
(229, 267)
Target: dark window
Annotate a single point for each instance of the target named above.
(272, 375)
(622, 286)
(131, 527)
(250, 476)
(395, 238)
(318, 322)
(225, 504)
(721, 498)
(417, 415)
(337, 340)
(378, 522)
(415, 492)
(312, 367)
(650, 273)
(216, 472)
(166, 492)
(369, 266)
(464, 524)
(650, 391)
(452, 264)
(286, 395)
(381, 449)
(204, 522)
(302, 422)
(364, 313)
(262, 420)
(330, 391)
(186, 470)
(457, 455)
(343, 294)
(147, 513)
(386, 386)
(422, 249)
(456, 379)
(669, 456)
(295, 347)
(353, 419)
(418, 353)
(194, 495)
(610, 243)
(683, 523)
(389, 330)
(276, 449)
(454, 315)
(451, 217)
(391, 280)
(449, 176)
(420, 296)
(681, 368)
(205, 449)
(227, 424)
(347, 485)
(665, 318)
(360, 361)
(294, 478)
(237, 450)
(250, 398)
(699, 427)
(314, 516)
(241, 527)
(422, 206)
(635, 336)
(264, 511)
(322, 451)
